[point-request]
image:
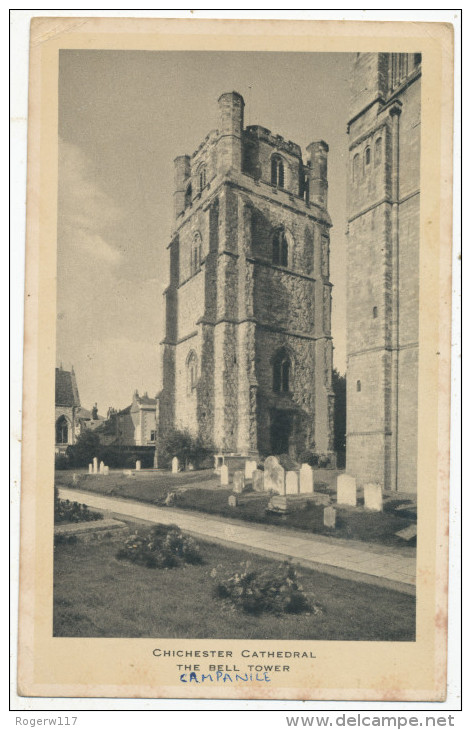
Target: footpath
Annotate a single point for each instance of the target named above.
(349, 559)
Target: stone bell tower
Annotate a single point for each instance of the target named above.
(247, 354)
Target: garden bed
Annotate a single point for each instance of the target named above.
(97, 595)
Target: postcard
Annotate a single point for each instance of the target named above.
(237, 360)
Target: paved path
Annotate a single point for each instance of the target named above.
(364, 562)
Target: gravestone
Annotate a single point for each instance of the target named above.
(292, 482)
(250, 466)
(373, 497)
(170, 499)
(106, 471)
(346, 490)
(127, 472)
(233, 501)
(95, 465)
(306, 479)
(408, 532)
(238, 482)
(175, 465)
(224, 473)
(274, 475)
(257, 480)
(102, 467)
(138, 466)
(329, 516)
(278, 503)
(75, 478)
(90, 468)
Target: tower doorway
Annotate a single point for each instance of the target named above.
(281, 430)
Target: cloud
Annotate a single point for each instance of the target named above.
(86, 214)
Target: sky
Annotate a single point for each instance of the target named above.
(123, 117)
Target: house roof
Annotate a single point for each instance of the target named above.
(66, 388)
(144, 400)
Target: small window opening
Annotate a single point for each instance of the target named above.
(280, 248)
(378, 151)
(188, 196)
(367, 156)
(358, 386)
(375, 312)
(277, 171)
(281, 372)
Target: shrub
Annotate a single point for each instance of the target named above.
(61, 462)
(163, 546)
(309, 457)
(66, 511)
(274, 590)
(188, 449)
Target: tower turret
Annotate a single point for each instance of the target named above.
(318, 185)
(231, 125)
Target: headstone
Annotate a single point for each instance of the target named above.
(329, 516)
(224, 473)
(75, 478)
(170, 499)
(175, 465)
(232, 501)
(138, 466)
(373, 497)
(95, 465)
(273, 476)
(106, 471)
(292, 482)
(250, 466)
(346, 490)
(278, 503)
(127, 472)
(408, 532)
(90, 468)
(238, 482)
(257, 480)
(102, 467)
(306, 479)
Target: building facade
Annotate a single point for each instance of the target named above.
(247, 354)
(131, 426)
(70, 418)
(383, 269)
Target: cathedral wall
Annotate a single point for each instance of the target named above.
(185, 395)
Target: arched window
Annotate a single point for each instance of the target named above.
(280, 248)
(196, 253)
(358, 386)
(306, 189)
(375, 312)
(378, 151)
(202, 177)
(282, 371)
(277, 171)
(192, 371)
(188, 196)
(356, 167)
(367, 156)
(62, 430)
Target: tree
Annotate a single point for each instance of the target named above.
(185, 447)
(339, 386)
(85, 448)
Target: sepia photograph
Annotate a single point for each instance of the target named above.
(240, 304)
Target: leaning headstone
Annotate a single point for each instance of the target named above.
(249, 468)
(292, 482)
(232, 501)
(257, 480)
(408, 532)
(238, 484)
(224, 474)
(329, 516)
(346, 490)
(373, 497)
(306, 479)
(106, 471)
(90, 468)
(102, 467)
(138, 466)
(274, 475)
(95, 465)
(175, 465)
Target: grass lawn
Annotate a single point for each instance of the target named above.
(204, 494)
(96, 595)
